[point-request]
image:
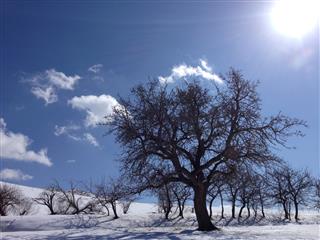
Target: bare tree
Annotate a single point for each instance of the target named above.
(165, 199)
(49, 198)
(73, 200)
(181, 194)
(24, 207)
(278, 190)
(9, 198)
(188, 134)
(299, 185)
(316, 194)
(110, 192)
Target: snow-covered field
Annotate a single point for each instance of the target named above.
(143, 222)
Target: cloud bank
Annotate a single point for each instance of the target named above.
(15, 146)
(14, 174)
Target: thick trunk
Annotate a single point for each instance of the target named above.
(286, 214)
(233, 210)
(114, 209)
(296, 216)
(200, 206)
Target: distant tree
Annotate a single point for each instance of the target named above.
(49, 198)
(165, 199)
(316, 194)
(110, 192)
(25, 206)
(13, 201)
(299, 185)
(214, 190)
(73, 200)
(278, 190)
(9, 198)
(188, 134)
(181, 194)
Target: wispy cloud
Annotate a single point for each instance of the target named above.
(14, 174)
(95, 107)
(44, 85)
(71, 161)
(73, 132)
(48, 94)
(91, 139)
(95, 68)
(15, 146)
(183, 71)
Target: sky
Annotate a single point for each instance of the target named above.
(65, 64)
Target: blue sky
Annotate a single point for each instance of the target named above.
(63, 62)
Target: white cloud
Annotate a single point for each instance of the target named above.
(96, 107)
(46, 84)
(60, 80)
(15, 146)
(95, 68)
(72, 132)
(183, 71)
(14, 174)
(62, 130)
(91, 139)
(48, 94)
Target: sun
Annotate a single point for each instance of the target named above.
(295, 18)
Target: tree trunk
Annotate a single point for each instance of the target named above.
(296, 216)
(210, 207)
(233, 210)
(241, 209)
(221, 201)
(286, 214)
(200, 206)
(114, 208)
(248, 209)
(180, 208)
(262, 210)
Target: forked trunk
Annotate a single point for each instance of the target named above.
(200, 206)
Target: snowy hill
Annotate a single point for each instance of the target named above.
(143, 222)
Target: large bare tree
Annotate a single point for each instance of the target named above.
(189, 133)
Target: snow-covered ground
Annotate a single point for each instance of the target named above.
(143, 222)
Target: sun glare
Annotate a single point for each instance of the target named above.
(295, 18)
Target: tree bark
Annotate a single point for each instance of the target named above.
(221, 201)
(210, 207)
(200, 206)
(233, 210)
(114, 208)
(296, 216)
(241, 209)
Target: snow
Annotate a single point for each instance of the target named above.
(143, 222)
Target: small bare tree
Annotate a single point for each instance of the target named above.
(9, 198)
(165, 199)
(74, 200)
(109, 193)
(299, 185)
(181, 193)
(49, 198)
